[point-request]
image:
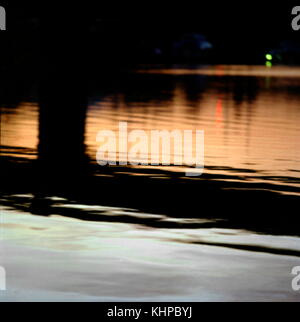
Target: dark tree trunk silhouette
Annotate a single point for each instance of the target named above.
(62, 99)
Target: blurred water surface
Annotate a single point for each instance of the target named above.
(251, 117)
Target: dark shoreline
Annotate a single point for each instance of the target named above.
(216, 199)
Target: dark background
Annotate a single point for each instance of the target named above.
(118, 33)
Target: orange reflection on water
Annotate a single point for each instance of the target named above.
(258, 127)
(19, 130)
(219, 115)
(247, 125)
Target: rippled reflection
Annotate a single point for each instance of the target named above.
(250, 116)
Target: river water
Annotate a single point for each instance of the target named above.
(153, 250)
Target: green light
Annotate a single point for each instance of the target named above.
(268, 64)
(269, 57)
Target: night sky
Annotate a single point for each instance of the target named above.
(240, 32)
